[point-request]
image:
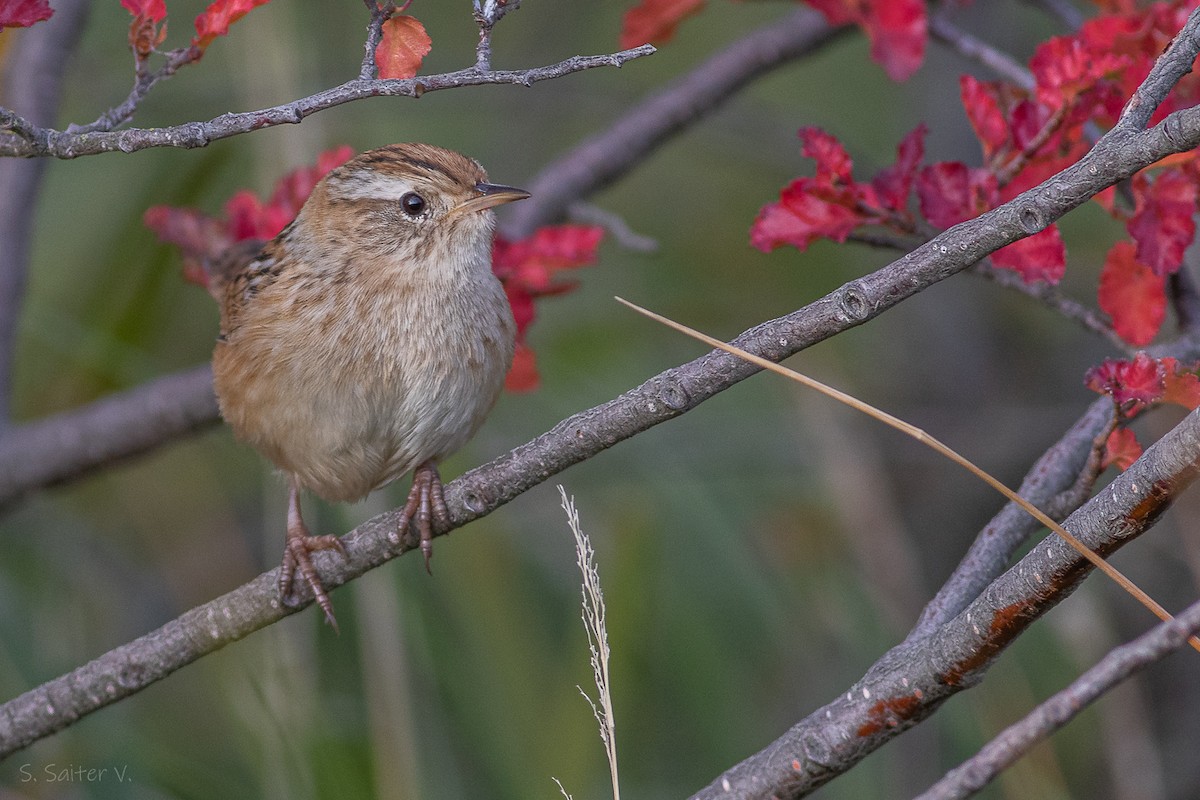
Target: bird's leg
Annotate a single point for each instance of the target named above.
(426, 507)
(296, 556)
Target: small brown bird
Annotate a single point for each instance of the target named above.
(368, 339)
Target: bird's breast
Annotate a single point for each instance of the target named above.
(351, 385)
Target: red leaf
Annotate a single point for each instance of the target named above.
(893, 184)
(246, 217)
(982, 103)
(897, 29)
(144, 32)
(528, 267)
(655, 20)
(1132, 385)
(1182, 386)
(217, 18)
(199, 237)
(153, 10)
(1040, 257)
(800, 218)
(1162, 223)
(950, 193)
(834, 165)
(1121, 448)
(1132, 295)
(404, 45)
(23, 13)
(1064, 68)
(523, 375)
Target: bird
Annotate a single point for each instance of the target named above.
(367, 340)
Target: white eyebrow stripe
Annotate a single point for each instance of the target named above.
(365, 185)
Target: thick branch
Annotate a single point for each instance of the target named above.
(911, 681)
(602, 159)
(37, 141)
(33, 83)
(1018, 739)
(58, 448)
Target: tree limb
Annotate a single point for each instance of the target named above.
(28, 140)
(1018, 739)
(125, 424)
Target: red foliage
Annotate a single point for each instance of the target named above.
(655, 20)
(216, 19)
(982, 102)
(23, 13)
(1132, 295)
(1181, 386)
(528, 268)
(949, 192)
(1040, 257)
(893, 184)
(1133, 385)
(1162, 223)
(897, 30)
(1027, 134)
(201, 237)
(831, 204)
(403, 47)
(1121, 449)
(144, 32)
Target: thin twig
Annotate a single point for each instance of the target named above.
(143, 83)
(380, 13)
(614, 224)
(1019, 738)
(978, 50)
(59, 144)
(1050, 296)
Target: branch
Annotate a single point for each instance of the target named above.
(33, 141)
(912, 680)
(978, 50)
(602, 159)
(60, 447)
(33, 82)
(1019, 738)
(142, 85)
(1050, 295)
(380, 13)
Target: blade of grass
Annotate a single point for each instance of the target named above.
(923, 437)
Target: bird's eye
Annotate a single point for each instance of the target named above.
(413, 204)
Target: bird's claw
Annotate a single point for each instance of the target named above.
(426, 509)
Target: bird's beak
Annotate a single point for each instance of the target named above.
(490, 194)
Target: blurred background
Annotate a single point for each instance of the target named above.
(757, 555)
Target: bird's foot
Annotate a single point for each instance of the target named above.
(296, 559)
(426, 508)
